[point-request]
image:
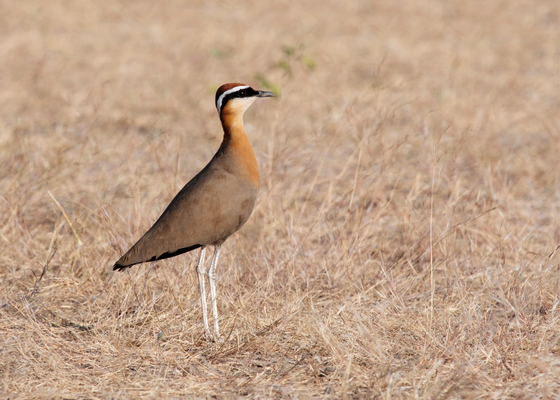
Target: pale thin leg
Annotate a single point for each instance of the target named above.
(212, 279)
(201, 271)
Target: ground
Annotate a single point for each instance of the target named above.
(405, 243)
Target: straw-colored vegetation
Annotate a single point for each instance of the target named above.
(405, 241)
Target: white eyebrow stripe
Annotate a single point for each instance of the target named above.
(221, 98)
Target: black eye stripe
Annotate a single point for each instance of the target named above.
(243, 93)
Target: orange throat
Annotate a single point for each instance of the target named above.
(237, 141)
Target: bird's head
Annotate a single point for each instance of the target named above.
(235, 98)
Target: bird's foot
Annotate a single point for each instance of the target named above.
(208, 336)
(213, 338)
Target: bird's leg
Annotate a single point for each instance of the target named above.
(201, 271)
(212, 279)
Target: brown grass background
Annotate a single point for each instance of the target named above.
(405, 241)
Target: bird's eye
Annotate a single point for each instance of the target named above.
(242, 93)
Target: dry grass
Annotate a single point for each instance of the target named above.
(405, 242)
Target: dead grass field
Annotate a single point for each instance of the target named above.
(405, 241)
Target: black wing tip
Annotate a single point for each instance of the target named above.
(121, 267)
(118, 267)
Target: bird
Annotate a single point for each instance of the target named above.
(213, 205)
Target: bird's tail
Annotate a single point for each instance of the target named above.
(136, 256)
(119, 267)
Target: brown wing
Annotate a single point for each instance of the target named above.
(210, 208)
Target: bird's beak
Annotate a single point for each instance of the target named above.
(263, 93)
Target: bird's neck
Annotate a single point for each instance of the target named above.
(237, 144)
